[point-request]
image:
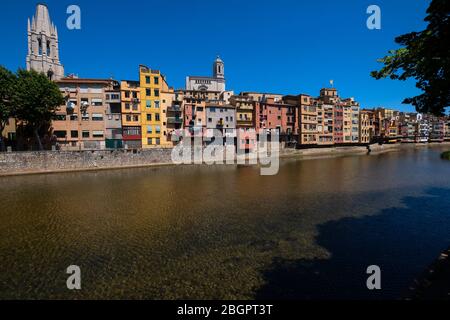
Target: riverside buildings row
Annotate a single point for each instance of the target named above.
(148, 113)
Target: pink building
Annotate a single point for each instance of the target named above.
(274, 114)
(194, 115)
(338, 129)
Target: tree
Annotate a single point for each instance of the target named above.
(424, 56)
(7, 81)
(36, 100)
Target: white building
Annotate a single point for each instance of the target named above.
(423, 129)
(214, 83)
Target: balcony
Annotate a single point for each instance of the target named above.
(174, 109)
(174, 120)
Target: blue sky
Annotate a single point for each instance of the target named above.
(283, 46)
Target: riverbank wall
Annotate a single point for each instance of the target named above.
(39, 162)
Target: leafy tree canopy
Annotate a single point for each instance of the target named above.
(424, 56)
(7, 81)
(36, 100)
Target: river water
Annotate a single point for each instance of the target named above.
(225, 232)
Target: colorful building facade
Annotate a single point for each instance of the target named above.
(152, 84)
(80, 124)
(131, 114)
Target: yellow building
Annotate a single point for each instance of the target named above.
(152, 84)
(245, 109)
(131, 113)
(9, 133)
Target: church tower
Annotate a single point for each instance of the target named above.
(43, 50)
(218, 69)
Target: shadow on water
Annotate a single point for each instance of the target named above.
(401, 241)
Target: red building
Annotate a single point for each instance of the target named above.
(338, 129)
(275, 114)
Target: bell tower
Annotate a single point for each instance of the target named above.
(43, 49)
(218, 69)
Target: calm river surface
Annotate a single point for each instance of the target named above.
(225, 231)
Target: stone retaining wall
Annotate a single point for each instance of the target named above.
(16, 163)
(53, 161)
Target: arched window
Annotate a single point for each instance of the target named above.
(48, 48)
(40, 46)
(50, 74)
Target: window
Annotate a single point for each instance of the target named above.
(158, 141)
(74, 117)
(97, 117)
(132, 131)
(149, 129)
(135, 118)
(157, 104)
(135, 107)
(97, 134)
(209, 119)
(147, 79)
(148, 92)
(128, 117)
(85, 117)
(127, 106)
(157, 117)
(156, 80)
(212, 109)
(60, 117)
(148, 104)
(158, 129)
(134, 95)
(149, 141)
(40, 46)
(85, 134)
(60, 134)
(156, 92)
(149, 117)
(127, 94)
(74, 133)
(97, 102)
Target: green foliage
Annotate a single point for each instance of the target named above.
(424, 56)
(36, 100)
(7, 81)
(446, 155)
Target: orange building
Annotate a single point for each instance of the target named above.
(80, 124)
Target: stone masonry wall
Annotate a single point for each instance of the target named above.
(50, 161)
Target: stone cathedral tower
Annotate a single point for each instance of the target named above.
(43, 50)
(218, 68)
